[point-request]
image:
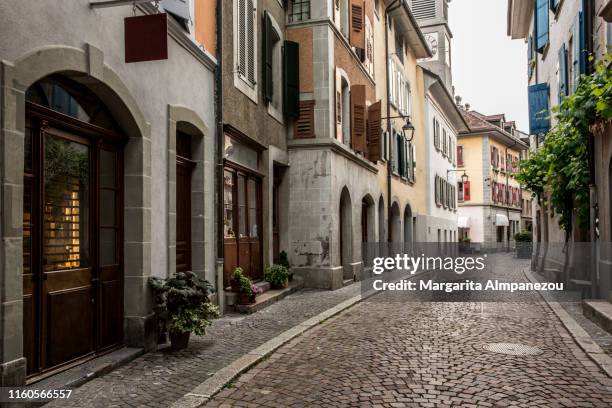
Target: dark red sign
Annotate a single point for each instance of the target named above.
(146, 38)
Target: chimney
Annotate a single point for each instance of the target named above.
(467, 106)
(458, 100)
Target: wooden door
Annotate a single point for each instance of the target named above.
(184, 169)
(73, 243)
(242, 219)
(68, 297)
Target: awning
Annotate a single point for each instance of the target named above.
(463, 222)
(501, 220)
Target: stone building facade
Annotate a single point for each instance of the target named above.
(490, 199)
(89, 184)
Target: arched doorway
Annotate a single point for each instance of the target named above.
(368, 237)
(408, 229)
(396, 226)
(346, 233)
(73, 225)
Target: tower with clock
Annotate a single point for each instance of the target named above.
(432, 16)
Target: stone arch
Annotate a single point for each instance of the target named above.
(345, 223)
(368, 229)
(395, 225)
(408, 229)
(85, 66)
(187, 121)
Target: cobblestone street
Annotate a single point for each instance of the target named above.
(393, 351)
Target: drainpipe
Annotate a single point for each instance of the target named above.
(219, 154)
(507, 194)
(394, 5)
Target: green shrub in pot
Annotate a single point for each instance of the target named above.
(277, 275)
(182, 306)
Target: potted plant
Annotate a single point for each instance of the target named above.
(524, 245)
(182, 306)
(278, 276)
(237, 273)
(245, 290)
(255, 291)
(283, 259)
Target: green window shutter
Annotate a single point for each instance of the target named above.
(268, 57)
(291, 88)
(562, 72)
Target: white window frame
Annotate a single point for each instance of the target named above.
(277, 70)
(241, 82)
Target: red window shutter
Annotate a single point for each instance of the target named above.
(374, 132)
(357, 22)
(459, 155)
(358, 118)
(466, 191)
(304, 124)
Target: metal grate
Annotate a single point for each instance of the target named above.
(512, 349)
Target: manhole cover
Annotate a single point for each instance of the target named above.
(512, 349)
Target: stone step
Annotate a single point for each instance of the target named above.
(269, 297)
(600, 312)
(347, 282)
(263, 285)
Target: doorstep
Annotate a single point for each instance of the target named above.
(270, 296)
(80, 374)
(599, 311)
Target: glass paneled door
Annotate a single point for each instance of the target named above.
(72, 246)
(242, 220)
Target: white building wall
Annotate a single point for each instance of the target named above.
(179, 80)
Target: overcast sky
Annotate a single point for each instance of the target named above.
(489, 69)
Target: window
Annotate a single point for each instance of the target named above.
(245, 40)
(346, 112)
(344, 17)
(541, 24)
(436, 132)
(399, 47)
(459, 155)
(299, 10)
(273, 65)
(444, 143)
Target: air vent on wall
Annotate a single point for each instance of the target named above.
(423, 9)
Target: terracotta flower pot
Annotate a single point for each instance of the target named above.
(244, 298)
(179, 340)
(282, 285)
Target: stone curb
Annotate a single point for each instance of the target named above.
(584, 340)
(207, 389)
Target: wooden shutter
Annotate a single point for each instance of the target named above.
(562, 72)
(250, 40)
(460, 155)
(539, 121)
(466, 190)
(291, 89)
(541, 24)
(268, 57)
(358, 118)
(493, 156)
(357, 23)
(374, 131)
(304, 125)
(241, 57)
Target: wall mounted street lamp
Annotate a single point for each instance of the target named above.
(464, 176)
(408, 129)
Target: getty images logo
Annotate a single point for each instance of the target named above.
(412, 264)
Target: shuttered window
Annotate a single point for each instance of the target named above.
(304, 125)
(466, 191)
(358, 118)
(459, 155)
(539, 120)
(245, 38)
(374, 132)
(579, 50)
(562, 72)
(423, 9)
(541, 24)
(357, 24)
